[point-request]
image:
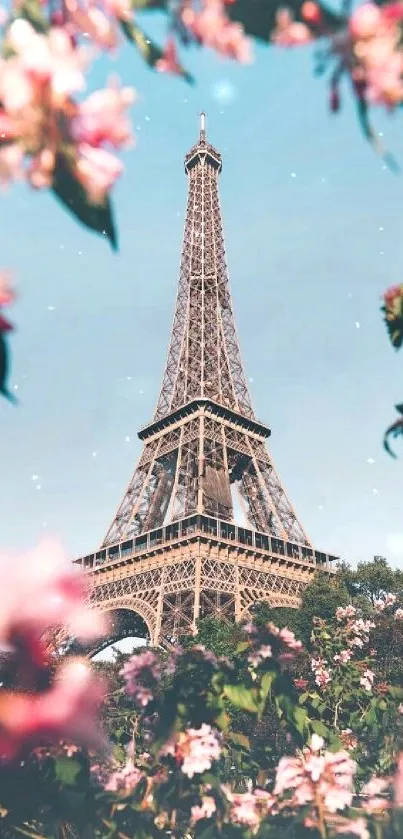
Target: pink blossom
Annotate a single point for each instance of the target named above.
(345, 612)
(43, 592)
(364, 21)
(7, 293)
(343, 657)
(194, 749)
(374, 789)
(141, 667)
(11, 163)
(124, 779)
(204, 810)
(256, 657)
(101, 118)
(379, 605)
(169, 61)
(48, 58)
(97, 170)
(213, 28)
(289, 639)
(398, 782)
(288, 32)
(249, 808)
(367, 680)
(358, 827)
(328, 776)
(394, 292)
(399, 614)
(65, 711)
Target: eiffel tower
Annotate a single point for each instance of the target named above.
(174, 552)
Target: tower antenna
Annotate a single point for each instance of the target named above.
(202, 126)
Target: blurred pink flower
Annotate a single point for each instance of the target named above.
(289, 32)
(124, 779)
(213, 28)
(343, 612)
(327, 776)
(196, 748)
(342, 657)
(169, 61)
(97, 170)
(44, 592)
(67, 710)
(367, 680)
(141, 667)
(399, 614)
(249, 808)
(357, 827)
(204, 810)
(364, 21)
(50, 58)
(398, 782)
(7, 293)
(101, 118)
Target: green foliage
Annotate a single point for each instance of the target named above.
(97, 217)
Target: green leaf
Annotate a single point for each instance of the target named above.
(300, 719)
(265, 685)
(72, 195)
(239, 739)
(242, 697)
(67, 770)
(150, 51)
(319, 728)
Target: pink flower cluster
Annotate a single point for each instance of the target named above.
(205, 810)
(357, 630)
(289, 32)
(194, 750)
(249, 808)
(124, 779)
(317, 776)
(141, 674)
(7, 296)
(367, 680)
(321, 672)
(39, 120)
(283, 644)
(43, 593)
(376, 51)
(384, 602)
(393, 299)
(211, 26)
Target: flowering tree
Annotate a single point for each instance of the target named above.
(176, 761)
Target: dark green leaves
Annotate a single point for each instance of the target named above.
(68, 190)
(242, 697)
(67, 770)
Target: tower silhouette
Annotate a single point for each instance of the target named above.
(173, 552)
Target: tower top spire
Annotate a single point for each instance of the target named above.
(202, 127)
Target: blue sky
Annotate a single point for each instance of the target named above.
(313, 226)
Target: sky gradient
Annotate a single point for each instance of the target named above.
(313, 225)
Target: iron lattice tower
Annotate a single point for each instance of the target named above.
(173, 552)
